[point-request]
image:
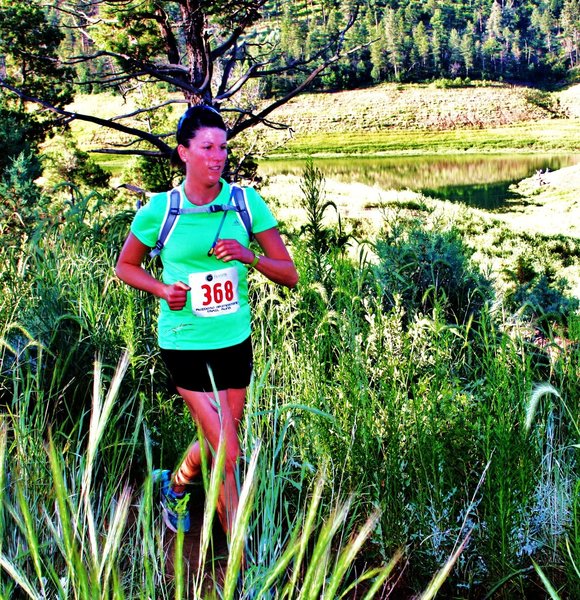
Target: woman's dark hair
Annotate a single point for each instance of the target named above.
(194, 118)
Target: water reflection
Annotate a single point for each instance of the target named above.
(480, 180)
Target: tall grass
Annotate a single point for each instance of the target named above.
(386, 452)
(83, 536)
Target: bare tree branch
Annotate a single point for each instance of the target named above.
(155, 140)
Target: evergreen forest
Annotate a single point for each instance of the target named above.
(407, 40)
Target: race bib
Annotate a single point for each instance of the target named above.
(214, 293)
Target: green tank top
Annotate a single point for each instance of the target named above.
(217, 312)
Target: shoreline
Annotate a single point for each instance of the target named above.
(546, 205)
(551, 200)
(543, 208)
(410, 153)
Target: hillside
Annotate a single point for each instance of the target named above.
(423, 118)
(394, 118)
(413, 106)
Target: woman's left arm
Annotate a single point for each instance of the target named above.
(276, 263)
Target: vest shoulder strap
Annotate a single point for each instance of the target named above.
(172, 211)
(238, 199)
(175, 208)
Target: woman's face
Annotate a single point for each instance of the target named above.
(205, 157)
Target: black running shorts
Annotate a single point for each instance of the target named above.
(231, 367)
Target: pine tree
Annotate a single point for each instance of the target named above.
(570, 21)
(438, 39)
(421, 46)
(455, 58)
(394, 41)
(467, 49)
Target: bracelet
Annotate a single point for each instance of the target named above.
(254, 262)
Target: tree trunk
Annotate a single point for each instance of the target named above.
(197, 52)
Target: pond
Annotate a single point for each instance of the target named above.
(477, 180)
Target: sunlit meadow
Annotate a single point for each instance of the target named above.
(408, 431)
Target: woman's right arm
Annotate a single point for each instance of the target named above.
(130, 270)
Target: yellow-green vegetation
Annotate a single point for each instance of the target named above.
(537, 136)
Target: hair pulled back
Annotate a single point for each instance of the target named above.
(193, 119)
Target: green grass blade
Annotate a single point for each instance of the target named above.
(348, 555)
(19, 578)
(277, 570)
(31, 537)
(307, 529)
(572, 561)
(316, 573)
(549, 587)
(441, 575)
(212, 494)
(238, 538)
(384, 574)
(3, 478)
(76, 570)
(114, 537)
(178, 566)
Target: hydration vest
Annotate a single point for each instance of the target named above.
(175, 208)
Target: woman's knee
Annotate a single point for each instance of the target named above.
(232, 455)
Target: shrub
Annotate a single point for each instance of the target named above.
(457, 82)
(65, 161)
(544, 301)
(21, 200)
(154, 173)
(426, 269)
(20, 132)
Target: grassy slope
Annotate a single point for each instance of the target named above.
(424, 119)
(394, 118)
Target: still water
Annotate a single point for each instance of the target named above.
(477, 180)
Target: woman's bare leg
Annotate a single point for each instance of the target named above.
(213, 421)
(190, 468)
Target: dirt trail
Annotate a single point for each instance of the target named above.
(214, 568)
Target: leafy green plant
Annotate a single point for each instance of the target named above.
(155, 174)
(544, 301)
(20, 133)
(428, 269)
(406, 412)
(22, 200)
(65, 161)
(320, 239)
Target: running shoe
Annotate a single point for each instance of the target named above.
(174, 506)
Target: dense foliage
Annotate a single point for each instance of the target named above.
(403, 40)
(439, 425)
(423, 271)
(411, 40)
